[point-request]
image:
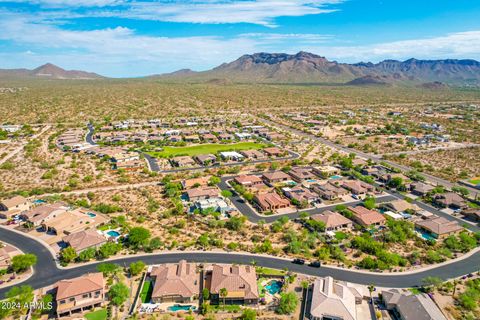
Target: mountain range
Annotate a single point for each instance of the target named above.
(305, 67)
(47, 71)
(301, 68)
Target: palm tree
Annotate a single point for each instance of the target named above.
(223, 293)
(371, 288)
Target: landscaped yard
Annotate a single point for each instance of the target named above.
(270, 272)
(475, 181)
(97, 315)
(146, 294)
(168, 152)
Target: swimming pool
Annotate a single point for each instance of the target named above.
(113, 233)
(274, 287)
(335, 177)
(91, 214)
(39, 201)
(426, 235)
(181, 307)
(311, 180)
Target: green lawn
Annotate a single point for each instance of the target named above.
(146, 294)
(475, 181)
(473, 205)
(270, 272)
(97, 315)
(168, 152)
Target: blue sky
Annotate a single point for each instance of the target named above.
(124, 38)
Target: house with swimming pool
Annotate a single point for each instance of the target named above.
(73, 221)
(438, 227)
(83, 240)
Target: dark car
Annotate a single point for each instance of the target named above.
(315, 264)
(298, 261)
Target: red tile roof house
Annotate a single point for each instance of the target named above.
(329, 191)
(249, 181)
(175, 282)
(358, 187)
(366, 217)
(240, 281)
(333, 220)
(301, 194)
(201, 193)
(272, 178)
(300, 174)
(450, 199)
(84, 240)
(274, 152)
(439, 227)
(79, 294)
(270, 201)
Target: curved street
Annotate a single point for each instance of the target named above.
(47, 272)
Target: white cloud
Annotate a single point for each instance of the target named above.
(455, 45)
(120, 47)
(67, 3)
(262, 12)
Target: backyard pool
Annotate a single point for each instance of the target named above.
(181, 307)
(335, 177)
(113, 233)
(274, 287)
(311, 180)
(91, 214)
(39, 201)
(426, 235)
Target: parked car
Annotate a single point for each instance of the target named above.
(315, 264)
(298, 261)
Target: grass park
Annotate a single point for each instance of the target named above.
(169, 152)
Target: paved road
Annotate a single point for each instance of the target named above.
(47, 272)
(254, 217)
(89, 136)
(438, 181)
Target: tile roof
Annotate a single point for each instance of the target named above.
(175, 279)
(84, 239)
(413, 307)
(439, 225)
(366, 216)
(239, 280)
(331, 299)
(331, 219)
(13, 202)
(77, 286)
